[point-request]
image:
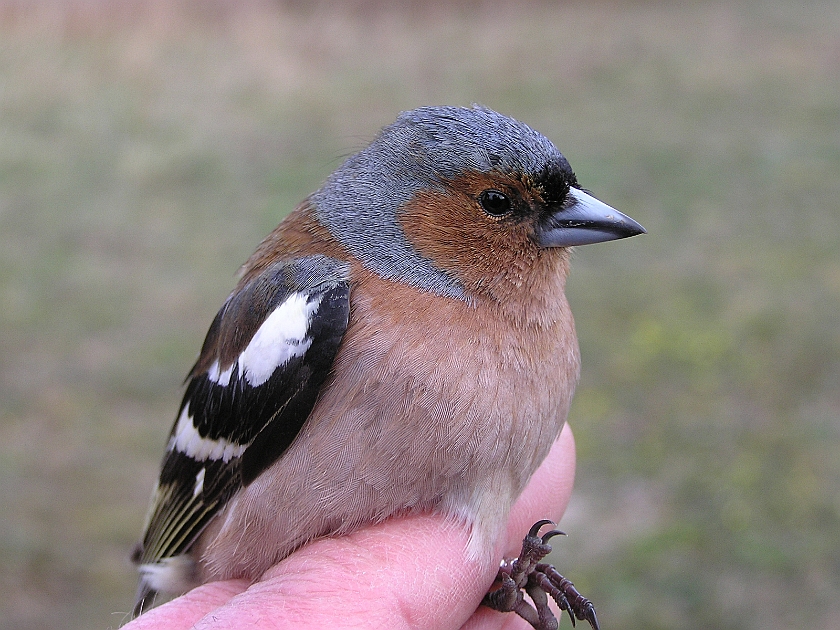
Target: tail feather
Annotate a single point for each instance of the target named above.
(145, 598)
(173, 575)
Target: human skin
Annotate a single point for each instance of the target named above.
(409, 572)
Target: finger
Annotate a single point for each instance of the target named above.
(404, 573)
(547, 494)
(182, 613)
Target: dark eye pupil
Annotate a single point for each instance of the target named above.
(494, 202)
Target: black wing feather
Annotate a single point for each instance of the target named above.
(257, 422)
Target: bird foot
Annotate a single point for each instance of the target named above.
(539, 581)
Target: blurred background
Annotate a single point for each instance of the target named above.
(146, 147)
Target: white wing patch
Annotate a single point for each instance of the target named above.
(280, 337)
(221, 378)
(187, 440)
(199, 482)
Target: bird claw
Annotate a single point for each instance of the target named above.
(536, 527)
(539, 580)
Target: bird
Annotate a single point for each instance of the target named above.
(401, 343)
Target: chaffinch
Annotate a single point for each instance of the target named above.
(400, 343)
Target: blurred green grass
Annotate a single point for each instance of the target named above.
(146, 148)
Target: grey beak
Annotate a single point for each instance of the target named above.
(585, 221)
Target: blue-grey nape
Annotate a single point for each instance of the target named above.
(360, 202)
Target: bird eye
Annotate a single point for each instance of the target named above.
(494, 203)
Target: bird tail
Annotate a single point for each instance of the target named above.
(144, 599)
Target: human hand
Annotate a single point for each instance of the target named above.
(408, 572)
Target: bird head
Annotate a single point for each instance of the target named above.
(464, 203)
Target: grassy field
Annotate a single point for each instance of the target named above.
(146, 149)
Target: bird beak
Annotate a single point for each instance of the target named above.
(585, 221)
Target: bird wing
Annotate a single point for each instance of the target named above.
(266, 356)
